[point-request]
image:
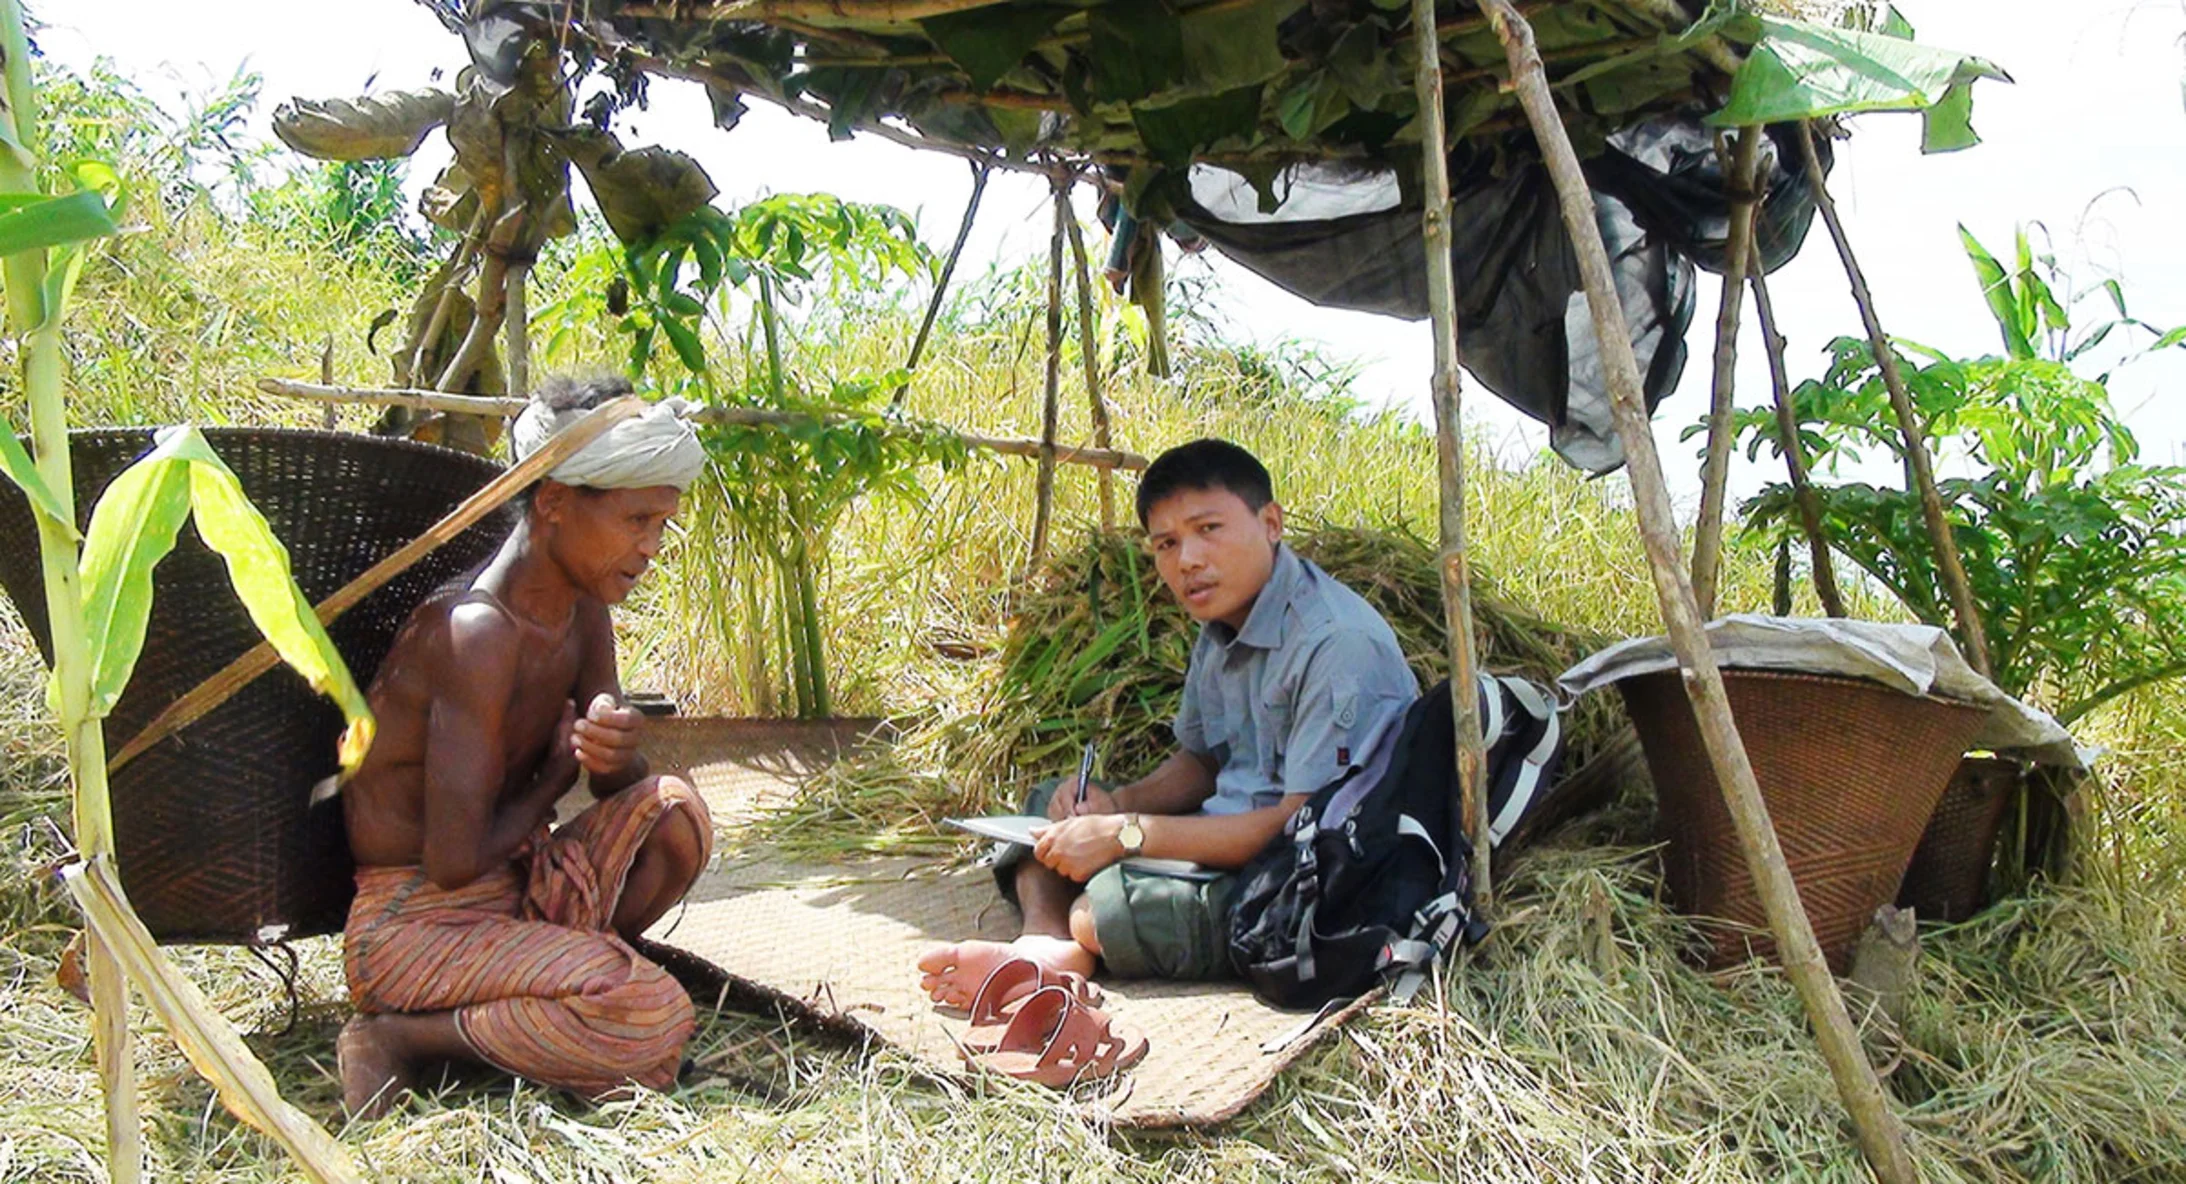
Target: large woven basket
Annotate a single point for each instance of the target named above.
(1850, 770)
(215, 838)
(1948, 878)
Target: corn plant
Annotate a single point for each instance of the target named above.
(98, 592)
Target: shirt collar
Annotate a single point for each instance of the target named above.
(1264, 624)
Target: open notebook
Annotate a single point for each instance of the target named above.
(1018, 828)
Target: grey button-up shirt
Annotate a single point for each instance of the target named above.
(1311, 688)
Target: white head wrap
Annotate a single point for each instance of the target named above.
(654, 447)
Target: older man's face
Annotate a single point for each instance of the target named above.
(605, 539)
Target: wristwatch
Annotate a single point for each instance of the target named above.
(1132, 836)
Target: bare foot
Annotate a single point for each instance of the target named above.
(375, 1073)
(950, 975)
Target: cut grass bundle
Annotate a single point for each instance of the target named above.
(1098, 648)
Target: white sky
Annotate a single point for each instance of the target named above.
(2099, 104)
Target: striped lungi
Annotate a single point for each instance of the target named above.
(525, 956)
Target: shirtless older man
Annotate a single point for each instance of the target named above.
(479, 932)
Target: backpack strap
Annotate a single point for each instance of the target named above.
(1534, 763)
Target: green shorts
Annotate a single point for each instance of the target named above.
(1150, 925)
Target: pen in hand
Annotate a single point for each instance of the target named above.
(1085, 775)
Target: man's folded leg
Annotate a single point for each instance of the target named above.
(1156, 926)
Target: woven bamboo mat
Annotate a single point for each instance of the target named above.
(837, 943)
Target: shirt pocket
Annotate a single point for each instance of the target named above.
(1274, 738)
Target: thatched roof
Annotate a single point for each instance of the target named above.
(1248, 83)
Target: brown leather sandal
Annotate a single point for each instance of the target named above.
(1009, 984)
(1056, 1041)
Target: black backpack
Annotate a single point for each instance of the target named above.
(1373, 880)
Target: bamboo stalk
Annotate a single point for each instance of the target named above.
(941, 283)
(1880, 1133)
(447, 280)
(36, 330)
(214, 1049)
(1043, 502)
(260, 658)
(1802, 490)
(1100, 458)
(1919, 471)
(1457, 611)
(1715, 472)
(1089, 348)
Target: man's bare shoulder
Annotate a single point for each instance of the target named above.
(461, 633)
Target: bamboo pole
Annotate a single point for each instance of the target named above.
(1043, 504)
(1919, 472)
(490, 405)
(1457, 609)
(238, 674)
(36, 330)
(1715, 472)
(941, 283)
(1881, 1135)
(1803, 496)
(1089, 348)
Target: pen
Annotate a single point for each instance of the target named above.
(1085, 772)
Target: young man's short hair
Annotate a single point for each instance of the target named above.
(1201, 465)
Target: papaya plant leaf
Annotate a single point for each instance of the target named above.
(685, 343)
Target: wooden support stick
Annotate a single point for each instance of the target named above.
(1051, 405)
(490, 405)
(1457, 605)
(1715, 471)
(1881, 1135)
(941, 282)
(1090, 352)
(1912, 433)
(516, 329)
(1803, 497)
(260, 658)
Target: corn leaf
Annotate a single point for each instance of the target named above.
(54, 222)
(1996, 290)
(258, 568)
(132, 528)
(211, 1043)
(16, 464)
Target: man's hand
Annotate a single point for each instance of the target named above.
(1064, 803)
(605, 741)
(1078, 848)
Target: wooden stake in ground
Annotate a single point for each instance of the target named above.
(941, 282)
(1881, 1135)
(1919, 472)
(1803, 496)
(1091, 355)
(1457, 604)
(1043, 506)
(1715, 472)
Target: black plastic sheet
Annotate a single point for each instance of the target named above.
(1349, 237)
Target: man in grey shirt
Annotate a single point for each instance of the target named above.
(1295, 682)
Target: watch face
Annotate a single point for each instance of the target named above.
(1132, 836)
